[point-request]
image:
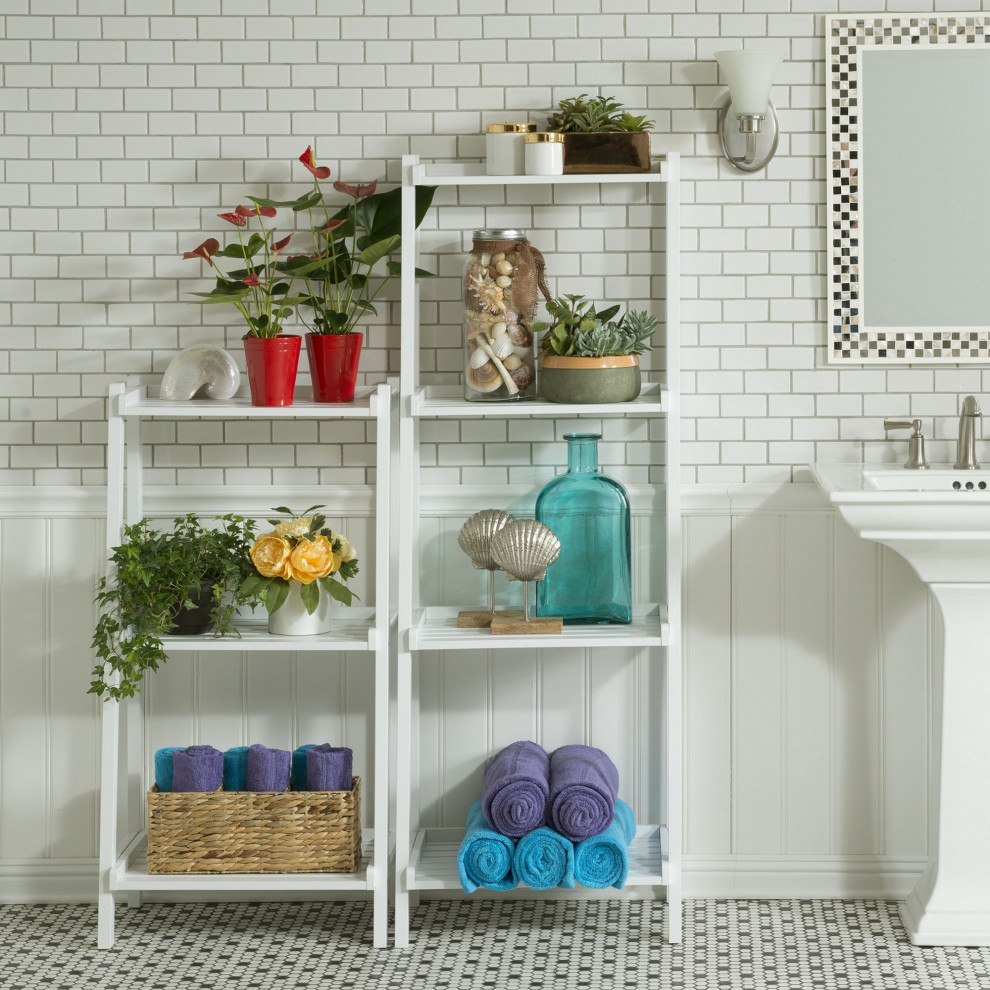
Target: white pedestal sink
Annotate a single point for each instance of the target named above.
(939, 522)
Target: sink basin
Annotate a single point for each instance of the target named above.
(937, 480)
(939, 522)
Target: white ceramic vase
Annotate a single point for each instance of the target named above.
(292, 619)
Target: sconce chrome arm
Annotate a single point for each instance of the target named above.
(750, 125)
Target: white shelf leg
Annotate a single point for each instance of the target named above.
(402, 799)
(108, 821)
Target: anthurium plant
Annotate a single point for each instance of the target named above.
(342, 277)
(255, 286)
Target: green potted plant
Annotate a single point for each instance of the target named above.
(587, 357)
(186, 580)
(342, 278)
(600, 137)
(260, 294)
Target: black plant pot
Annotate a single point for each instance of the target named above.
(195, 621)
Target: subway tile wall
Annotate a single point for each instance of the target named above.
(127, 125)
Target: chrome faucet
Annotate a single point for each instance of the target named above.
(966, 446)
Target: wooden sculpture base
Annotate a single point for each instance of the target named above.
(507, 624)
(482, 619)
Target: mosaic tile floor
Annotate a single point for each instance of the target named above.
(483, 945)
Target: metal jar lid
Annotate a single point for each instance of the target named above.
(495, 234)
(544, 137)
(510, 128)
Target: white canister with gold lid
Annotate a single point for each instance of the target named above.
(544, 153)
(505, 148)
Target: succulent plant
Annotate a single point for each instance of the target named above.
(578, 330)
(595, 114)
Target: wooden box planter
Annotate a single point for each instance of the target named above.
(254, 832)
(606, 151)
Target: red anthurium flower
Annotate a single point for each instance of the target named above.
(309, 160)
(235, 218)
(263, 211)
(280, 245)
(252, 279)
(206, 250)
(331, 225)
(360, 192)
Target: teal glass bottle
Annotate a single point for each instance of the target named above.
(591, 580)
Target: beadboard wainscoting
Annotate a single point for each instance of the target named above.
(806, 705)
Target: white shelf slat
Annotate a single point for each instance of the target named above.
(435, 628)
(433, 862)
(474, 174)
(130, 872)
(350, 629)
(136, 402)
(442, 401)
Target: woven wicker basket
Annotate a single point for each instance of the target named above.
(254, 832)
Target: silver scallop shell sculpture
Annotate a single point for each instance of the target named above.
(202, 370)
(524, 549)
(475, 537)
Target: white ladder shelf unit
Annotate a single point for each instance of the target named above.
(123, 866)
(426, 858)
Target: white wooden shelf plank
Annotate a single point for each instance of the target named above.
(474, 174)
(137, 402)
(350, 629)
(131, 873)
(433, 862)
(443, 401)
(435, 628)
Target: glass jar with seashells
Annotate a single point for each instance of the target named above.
(501, 279)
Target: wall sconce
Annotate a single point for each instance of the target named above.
(749, 75)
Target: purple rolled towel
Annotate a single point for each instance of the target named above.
(267, 769)
(515, 788)
(197, 768)
(329, 768)
(584, 784)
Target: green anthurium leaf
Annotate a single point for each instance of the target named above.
(337, 320)
(395, 268)
(357, 281)
(259, 201)
(307, 202)
(278, 591)
(310, 595)
(372, 254)
(279, 289)
(221, 297)
(363, 304)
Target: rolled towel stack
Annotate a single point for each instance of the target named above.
(163, 768)
(267, 769)
(603, 860)
(485, 858)
(584, 784)
(235, 768)
(297, 775)
(329, 768)
(544, 859)
(197, 768)
(515, 789)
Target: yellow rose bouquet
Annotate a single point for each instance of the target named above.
(304, 549)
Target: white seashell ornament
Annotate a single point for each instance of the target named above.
(202, 370)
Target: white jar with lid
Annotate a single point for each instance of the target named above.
(505, 149)
(544, 153)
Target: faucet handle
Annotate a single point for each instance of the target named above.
(970, 406)
(916, 442)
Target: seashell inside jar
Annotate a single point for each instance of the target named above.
(502, 276)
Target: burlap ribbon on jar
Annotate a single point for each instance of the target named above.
(528, 275)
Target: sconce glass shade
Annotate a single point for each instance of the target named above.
(749, 75)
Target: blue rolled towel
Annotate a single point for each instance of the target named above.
(515, 788)
(485, 856)
(544, 859)
(235, 764)
(329, 768)
(267, 769)
(297, 775)
(163, 767)
(197, 768)
(603, 860)
(584, 784)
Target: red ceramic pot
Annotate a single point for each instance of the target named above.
(272, 363)
(333, 364)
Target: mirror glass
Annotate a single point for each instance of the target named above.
(909, 218)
